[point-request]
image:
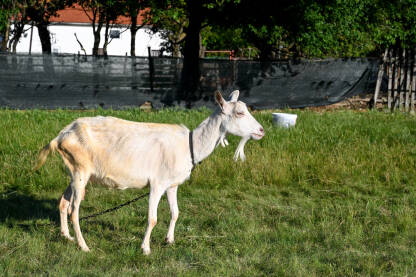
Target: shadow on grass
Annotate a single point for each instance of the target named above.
(26, 210)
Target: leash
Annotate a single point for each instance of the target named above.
(114, 208)
(99, 213)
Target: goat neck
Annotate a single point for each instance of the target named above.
(207, 136)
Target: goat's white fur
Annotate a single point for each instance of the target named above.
(124, 154)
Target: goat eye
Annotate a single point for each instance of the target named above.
(240, 114)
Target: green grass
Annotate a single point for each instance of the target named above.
(334, 196)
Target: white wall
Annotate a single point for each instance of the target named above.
(63, 40)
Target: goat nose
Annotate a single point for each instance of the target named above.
(261, 130)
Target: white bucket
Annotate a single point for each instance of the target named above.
(284, 119)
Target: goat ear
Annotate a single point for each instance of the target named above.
(234, 95)
(219, 99)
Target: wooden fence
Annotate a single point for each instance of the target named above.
(398, 64)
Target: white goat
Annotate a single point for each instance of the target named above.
(124, 154)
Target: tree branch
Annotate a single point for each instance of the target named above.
(80, 44)
(86, 12)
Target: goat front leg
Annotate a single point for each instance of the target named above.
(154, 198)
(173, 204)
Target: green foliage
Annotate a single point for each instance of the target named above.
(394, 23)
(8, 8)
(338, 28)
(222, 38)
(334, 28)
(334, 196)
(170, 19)
(134, 8)
(304, 28)
(40, 11)
(3, 20)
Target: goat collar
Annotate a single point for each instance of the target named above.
(191, 148)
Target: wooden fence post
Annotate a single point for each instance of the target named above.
(408, 80)
(390, 71)
(379, 78)
(412, 95)
(396, 75)
(402, 85)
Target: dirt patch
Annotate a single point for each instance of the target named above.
(359, 102)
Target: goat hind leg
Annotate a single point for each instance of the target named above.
(78, 188)
(64, 208)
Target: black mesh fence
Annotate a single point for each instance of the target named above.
(72, 81)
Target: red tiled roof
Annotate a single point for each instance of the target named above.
(76, 14)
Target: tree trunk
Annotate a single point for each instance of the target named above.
(133, 31)
(266, 53)
(106, 35)
(15, 42)
(6, 37)
(177, 38)
(97, 36)
(45, 38)
(176, 51)
(190, 76)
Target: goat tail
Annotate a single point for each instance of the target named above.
(43, 154)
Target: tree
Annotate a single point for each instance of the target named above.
(136, 9)
(95, 12)
(168, 18)
(303, 28)
(8, 10)
(112, 10)
(198, 14)
(101, 13)
(393, 23)
(267, 27)
(40, 12)
(220, 37)
(23, 11)
(20, 21)
(165, 15)
(336, 29)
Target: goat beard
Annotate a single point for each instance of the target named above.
(239, 152)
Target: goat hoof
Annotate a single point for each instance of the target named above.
(85, 248)
(169, 240)
(67, 236)
(146, 251)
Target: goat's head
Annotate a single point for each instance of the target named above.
(237, 120)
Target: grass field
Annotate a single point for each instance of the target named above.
(334, 196)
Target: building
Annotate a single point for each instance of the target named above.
(73, 20)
